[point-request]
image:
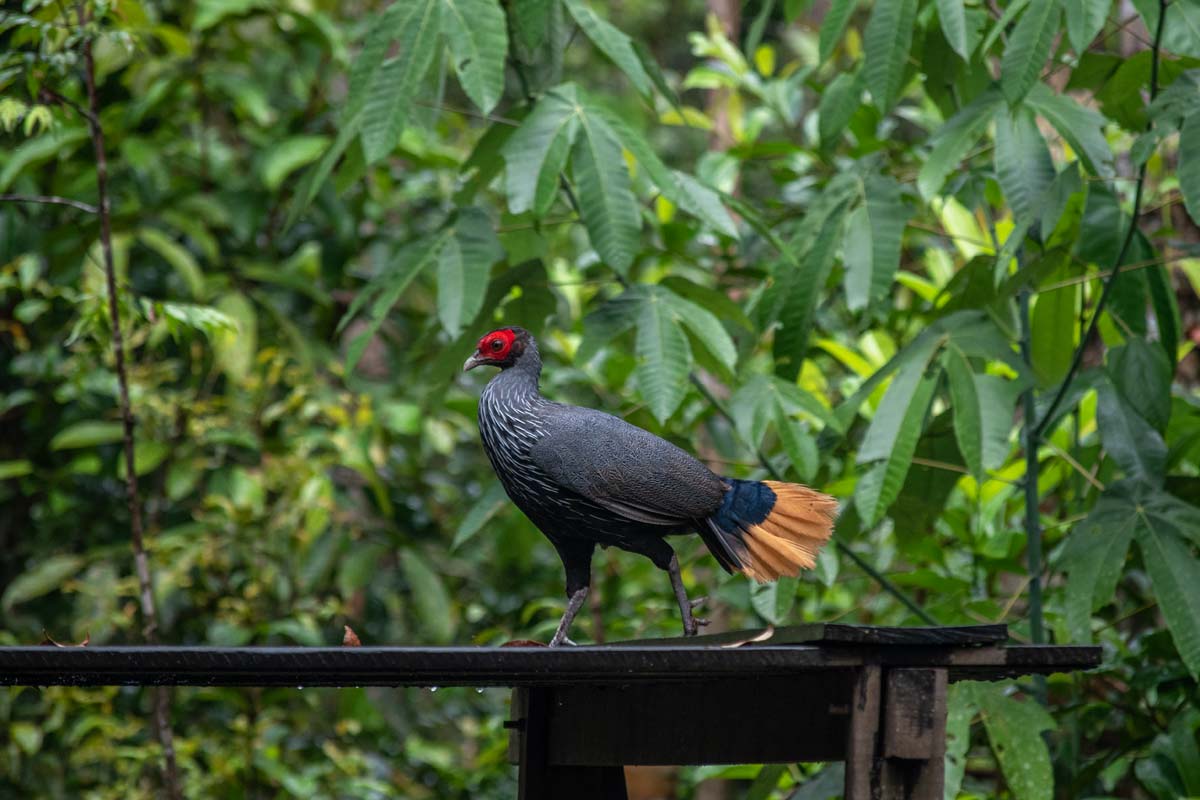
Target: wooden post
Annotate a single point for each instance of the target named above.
(537, 778)
(862, 737)
(914, 734)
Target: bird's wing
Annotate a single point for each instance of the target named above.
(625, 469)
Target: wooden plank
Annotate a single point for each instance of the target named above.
(502, 666)
(862, 735)
(914, 737)
(771, 720)
(838, 633)
(1018, 660)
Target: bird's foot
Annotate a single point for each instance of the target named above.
(561, 640)
(691, 623)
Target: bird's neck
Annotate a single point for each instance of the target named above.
(523, 376)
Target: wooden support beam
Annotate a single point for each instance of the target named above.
(862, 737)
(914, 734)
(538, 779)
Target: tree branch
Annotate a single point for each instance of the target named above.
(162, 724)
(1077, 359)
(49, 199)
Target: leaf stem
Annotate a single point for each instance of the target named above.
(1130, 232)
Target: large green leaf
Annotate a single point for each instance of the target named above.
(1143, 375)
(613, 43)
(1054, 328)
(1085, 18)
(880, 486)
(1166, 525)
(1189, 165)
(431, 601)
(887, 43)
(1082, 127)
(48, 575)
(801, 277)
(834, 25)
(86, 434)
(1028, 48)
(681, 189)
(1014, 728)
(235, 351)
(606, 199)
(968, 413)
(954, 140)
(952, 15)
(478, 40)
(1023, 164)
(889, 215)
(664, 357)
(1094, 560)
(536, 153)
(289, 155)
(1136, 447)
(390, 90)
(464, 264)
(839, 101)
(704, 324)
(482, 509)
(960, 709)
(609, 321)
(872, 245)
(530, 19)
(773, 601)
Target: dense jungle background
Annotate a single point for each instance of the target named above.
(938, 259)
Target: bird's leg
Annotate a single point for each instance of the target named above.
(691, 624)
(564, 625)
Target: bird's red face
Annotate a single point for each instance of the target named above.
(499, 348)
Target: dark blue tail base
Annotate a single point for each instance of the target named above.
(746, 503)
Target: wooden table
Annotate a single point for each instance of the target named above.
(870, 696)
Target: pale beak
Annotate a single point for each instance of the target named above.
(474, 361)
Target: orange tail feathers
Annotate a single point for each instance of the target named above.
(791, 535)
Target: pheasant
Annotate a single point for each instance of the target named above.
(587, 478)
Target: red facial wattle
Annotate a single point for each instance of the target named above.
(497, 345)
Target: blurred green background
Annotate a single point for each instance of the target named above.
(842, 242)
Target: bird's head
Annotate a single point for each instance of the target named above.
(500, 348)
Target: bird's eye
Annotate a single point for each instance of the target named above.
(497, 344)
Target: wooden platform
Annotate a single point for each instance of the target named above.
(871, 696)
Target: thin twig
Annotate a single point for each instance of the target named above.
(1153, 262)
(49, 199)
(1075, 465)
(1135, 214)
(162, 709)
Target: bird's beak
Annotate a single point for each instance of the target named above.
(471, 363)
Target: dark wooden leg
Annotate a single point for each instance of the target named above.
(862, 737)
(914, 734)
(537, 778)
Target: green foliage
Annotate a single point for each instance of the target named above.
(824, 228)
